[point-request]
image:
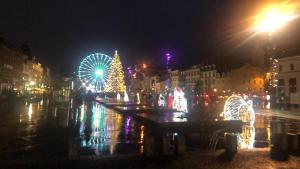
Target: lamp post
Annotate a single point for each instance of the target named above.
(270, 21)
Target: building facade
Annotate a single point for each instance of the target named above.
(176, 78)
(206, 78)
(248, 79)
(223, 82)
(288, 78)
(33, 76)
(11, 77)
(18, 74)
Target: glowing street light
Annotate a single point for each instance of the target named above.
(274, 18)
(270, 20)
(273, 21)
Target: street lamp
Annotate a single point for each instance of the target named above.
(270, 20)
(273, 20)
(144, 66)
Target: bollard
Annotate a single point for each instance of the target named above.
(166, 146)
(276, 128)
(231, 143)
(179, 145)
(279, 146)
(293, 143)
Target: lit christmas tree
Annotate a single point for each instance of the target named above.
(115, 81)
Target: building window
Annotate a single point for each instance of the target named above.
(292, 82)
(292, 66)
(293, 90)
(280, 68)
(280, 82)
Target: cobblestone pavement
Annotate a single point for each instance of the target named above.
(196, 159)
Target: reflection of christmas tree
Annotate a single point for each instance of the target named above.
(115, 81)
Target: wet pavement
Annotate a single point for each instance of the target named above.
(36, 130)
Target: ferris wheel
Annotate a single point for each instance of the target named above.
(93, 70)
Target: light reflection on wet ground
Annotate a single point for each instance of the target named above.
(105, 132)
(35, 130)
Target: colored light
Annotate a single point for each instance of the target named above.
(92, 71)
(118, 96)
(168, 56)
(126, 98)
(236, 108)
(99, 72)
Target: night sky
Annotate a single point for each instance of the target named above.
(60, 33)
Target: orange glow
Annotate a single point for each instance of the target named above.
(144, 66)
(274, 17)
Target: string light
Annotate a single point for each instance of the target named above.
(115, 81)
(236, 108)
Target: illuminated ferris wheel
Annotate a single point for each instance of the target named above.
(92, 71)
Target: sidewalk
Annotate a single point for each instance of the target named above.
(280, 113)
(258, 158)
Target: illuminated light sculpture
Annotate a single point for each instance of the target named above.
(170, 101)
(115, 82)
(246, 139)
(179, 101)
(161, 101)
(236, 108)
(118, 97)
(93, 70)
(126, 98)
